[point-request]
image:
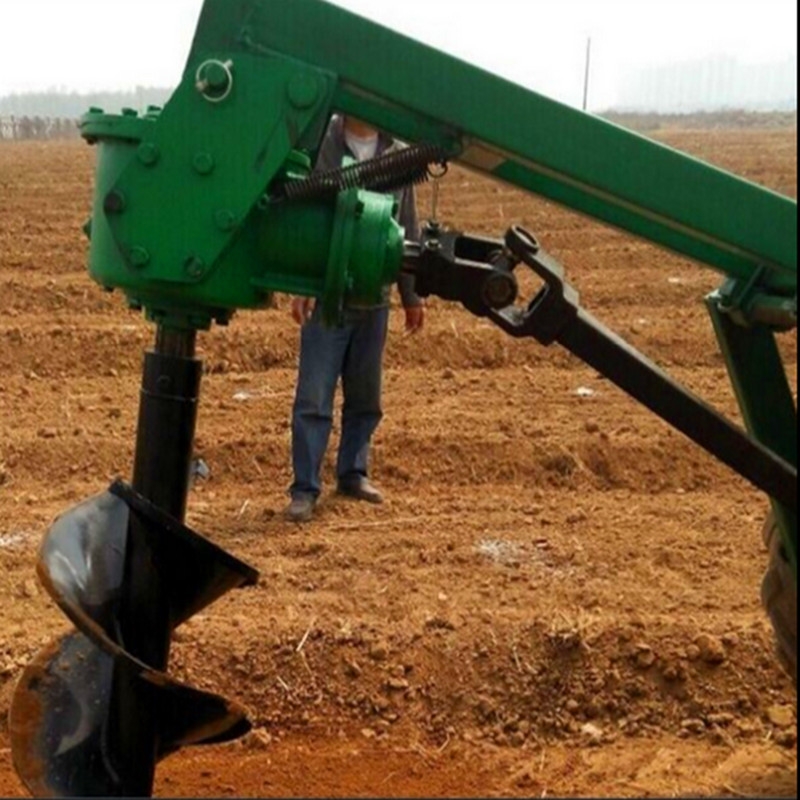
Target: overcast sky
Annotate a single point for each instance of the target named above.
(87, 45)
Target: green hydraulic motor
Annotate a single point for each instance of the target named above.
(235, 242)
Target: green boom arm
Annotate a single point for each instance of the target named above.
(518, 136)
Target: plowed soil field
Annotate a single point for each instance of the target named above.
(560, 595)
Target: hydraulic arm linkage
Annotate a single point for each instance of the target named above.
(480, 274)
(209, 205)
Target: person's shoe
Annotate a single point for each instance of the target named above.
(301, 509)
(360, 490)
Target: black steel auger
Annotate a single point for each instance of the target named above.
(96, 710)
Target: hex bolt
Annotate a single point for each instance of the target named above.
(194, 267)
(203, 163)
(303, 90)
(148, 153)
(114, 202)
(139, 257)
(225, 220)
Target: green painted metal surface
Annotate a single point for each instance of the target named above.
(764, 395)
(206, 159)
(194, 242)
(520, 136)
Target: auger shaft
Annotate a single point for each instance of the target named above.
(165, 433)
(162, 464)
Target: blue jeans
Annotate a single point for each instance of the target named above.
(353, 352)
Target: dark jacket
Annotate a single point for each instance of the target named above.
(331, 153)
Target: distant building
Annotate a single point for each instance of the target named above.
(712, 84)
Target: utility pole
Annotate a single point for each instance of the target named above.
(588, 72)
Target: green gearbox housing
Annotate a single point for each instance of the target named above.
(190, 265)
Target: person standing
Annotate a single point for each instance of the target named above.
(352, 352)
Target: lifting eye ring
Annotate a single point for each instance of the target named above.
(214, 79)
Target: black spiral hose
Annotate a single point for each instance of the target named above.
(386, 173)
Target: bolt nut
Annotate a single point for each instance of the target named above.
(203, 163)
(148, 153)
(194, 267)
(114, 203)
(225, 220)
(139, 257)
(303, 90)
(130, 112)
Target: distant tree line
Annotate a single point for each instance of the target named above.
(57, 104)
(41, 128)
(54, 114)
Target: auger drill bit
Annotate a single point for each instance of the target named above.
(96, 711)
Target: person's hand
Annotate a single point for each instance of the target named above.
(302, 309)
(415, 318)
